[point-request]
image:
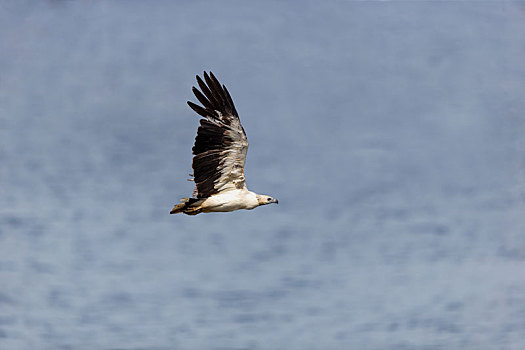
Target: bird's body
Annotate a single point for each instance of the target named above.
(219, 155)
(231, 200)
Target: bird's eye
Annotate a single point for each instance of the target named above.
(269, 199)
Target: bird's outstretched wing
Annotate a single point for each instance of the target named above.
(221, 145)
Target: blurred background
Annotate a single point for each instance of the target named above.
(392, 134)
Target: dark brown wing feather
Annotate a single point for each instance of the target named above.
(221, 145)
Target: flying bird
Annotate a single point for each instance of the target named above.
(219, 155)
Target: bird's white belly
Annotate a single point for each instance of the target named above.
(230, 201)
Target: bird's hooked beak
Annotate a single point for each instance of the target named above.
(275, 201)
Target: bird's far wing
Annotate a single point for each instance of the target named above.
(221, 145)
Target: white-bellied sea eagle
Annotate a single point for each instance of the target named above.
(219, 155)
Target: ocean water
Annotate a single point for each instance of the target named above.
(392, 134)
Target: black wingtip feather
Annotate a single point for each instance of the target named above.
(198, 109)
(213, 90)
(214, 97)
(218, 88)
(230, 100)
(202, 99)
(206, 91)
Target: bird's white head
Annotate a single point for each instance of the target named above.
(264, 199)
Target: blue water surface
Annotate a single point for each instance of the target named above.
(392, 134)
